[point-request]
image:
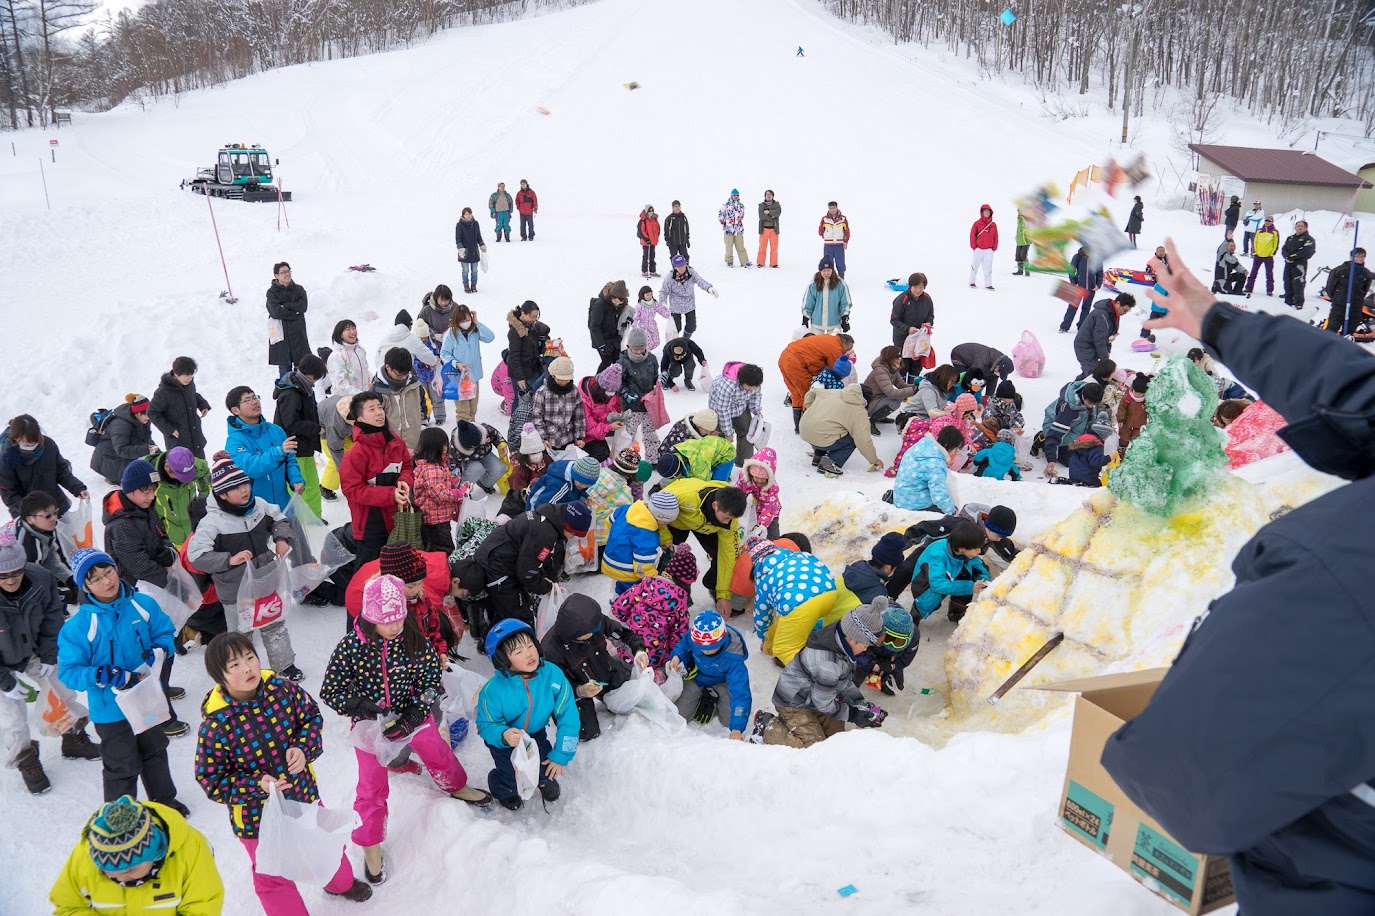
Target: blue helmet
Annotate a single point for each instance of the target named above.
(503, 630)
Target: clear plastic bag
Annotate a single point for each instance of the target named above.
(672, 687)
(367, 735)
(264, 594)
(61, 709)
(549, 610)
(525, 760)
(580, 554)
(300, 841)
(144, 705)
(179, 599)
(476, 503)
(461, 687)
(626, 697)
(917, 345)
(313, 541)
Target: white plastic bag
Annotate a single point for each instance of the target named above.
(482, 261)
(659, 709)
(525, 760)
(704, 376)
(750, 520)
(264, 592)
(760, 429)
(580, 554)
(629, 695)
(60, 708)
(461, 687)
(300, 841)
(367, 736)
(179, 599)
(569, 453)
(672, 687)
(549, 610)
(75, 527)
(916, 345)
(476, 503)
(144, 705)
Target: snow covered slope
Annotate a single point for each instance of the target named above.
(99, 293)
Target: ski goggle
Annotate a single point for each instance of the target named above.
(894, 640)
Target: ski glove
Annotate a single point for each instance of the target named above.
(715, 293)
(362, 708)
(845, 323)
(706, 708)
(114, 676)
(806, 322)
(148, 657)
(412, 717)
(863, 717)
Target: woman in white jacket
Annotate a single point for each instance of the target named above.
(348, 361)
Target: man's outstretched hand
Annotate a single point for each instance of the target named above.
(1188, 300)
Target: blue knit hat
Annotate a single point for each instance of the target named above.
(888, 550)
(670, 465)
(86, 559)
(123, 834)
(897, 624)
(586, 470)
(577, 518)
(734, 192)
(843, 367)
(467, 435)
(137, 475)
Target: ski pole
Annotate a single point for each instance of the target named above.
(1350, 279)
(214, 226)
(281, 202)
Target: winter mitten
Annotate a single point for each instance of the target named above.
(806, 322)
(44, 669)
(148, 657)
(113, 676)
(706, 708)
(715, 293)
(411, 718)
(845, 323)
(362, 708)
(863, 717)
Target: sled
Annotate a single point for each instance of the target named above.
(897, 285)
(1142, 345)
(363, 268)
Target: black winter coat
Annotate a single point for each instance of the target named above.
(176, 408)
(1093, 342)
(468, 237)
(593, 660)
(677, 233)
(524, 348)
(1136, 219)
(529, 549)
(126, 439)
(1262, 748)
(1339, 277)
(135, 540)
(29, 622)
(603, 324)
(288, 304)
(1299, 247)
(297, 413)
(909, 312)
(1232, 216)
(637, 381)
(49, 473)
(977, 356)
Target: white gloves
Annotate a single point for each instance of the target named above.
(43, 669)
(715, 293)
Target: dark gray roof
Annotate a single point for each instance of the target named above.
(1278, 166)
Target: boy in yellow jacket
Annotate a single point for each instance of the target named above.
(139, 857)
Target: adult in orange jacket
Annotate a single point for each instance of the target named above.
(376, 477)
(983, 239)
(802, 359)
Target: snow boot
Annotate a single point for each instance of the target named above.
(475, 797)
(35, 780)
(828, 468)
(358, 893)
(873, 428)
(292, 673)
(988, 287)
(514, 803)
(176, 693)
(328, 495)
(973, 285)
(761, 724)
(374, 866)
(687, 383)
(77, 745)
(174, 727)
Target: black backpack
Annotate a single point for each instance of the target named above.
(99, 420)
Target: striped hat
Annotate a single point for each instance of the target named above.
(123, 834)
(403, 562)
(864, 624)
(225, 475)
(586, 470)
(663, 506)
(708, 629)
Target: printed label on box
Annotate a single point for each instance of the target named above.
(1174, 868)
(1088, 816)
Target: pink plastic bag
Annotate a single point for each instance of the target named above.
(1252, 436)
(1027, 357)
(501, 384)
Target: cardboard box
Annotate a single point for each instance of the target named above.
(1094, 810)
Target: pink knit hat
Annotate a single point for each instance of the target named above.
(384, 600)
(965, 403)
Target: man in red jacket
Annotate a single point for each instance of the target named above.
(376, 476)
(983, 239)
(527, 205)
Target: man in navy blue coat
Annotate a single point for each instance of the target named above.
(1260, 742)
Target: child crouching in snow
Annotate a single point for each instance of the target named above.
(579, 645)
(833, 376)
(757, 480)
(657, 607)
(998, 460)
(711, 658)
(883, 666)
(524, 693)
(1086, 457)
(261, 731)
(386, 669)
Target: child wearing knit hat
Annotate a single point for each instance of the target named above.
(833, 376)
(639, 381)
(556, 409)
(240, 528)
(711, 658)
(868, 579)
(261, 733)
(384, 669)
(124, 844)
(527, 465)
(564, 482)
(635, 536)
(883, 666)
(816, 694)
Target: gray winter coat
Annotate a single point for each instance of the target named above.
(126, 439)
(1094, 340)
(337, 429)
(929, 400)
(44, 549)
(769, 212)
(221, 535)
(681, 295)
(820, 677)
(29, 622)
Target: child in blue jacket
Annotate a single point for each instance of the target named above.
(950, 567)
(99, 650)
(711, 658)
(833, 376)
(999, 460)
(521, 698)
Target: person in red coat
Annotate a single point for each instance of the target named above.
(647, 230)
(428, 583)
(527, 205)
(376, 476)
(983, 239)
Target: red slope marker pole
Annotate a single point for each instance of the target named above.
(228, 286)
(43, 173)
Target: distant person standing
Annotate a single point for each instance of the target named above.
(500, 205)
(732, 219)
(835, 236)
(677, 233)
(1263, 247)
(769, 212)
(647, 231)
(1254, 220)
(983, 240)
(527, 205)
(1232, 217)
(1023, 247)
(1347, 282)
(1298, 249)
(468, 238)
(286, 306)
(1135, 220)
(799, 51)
